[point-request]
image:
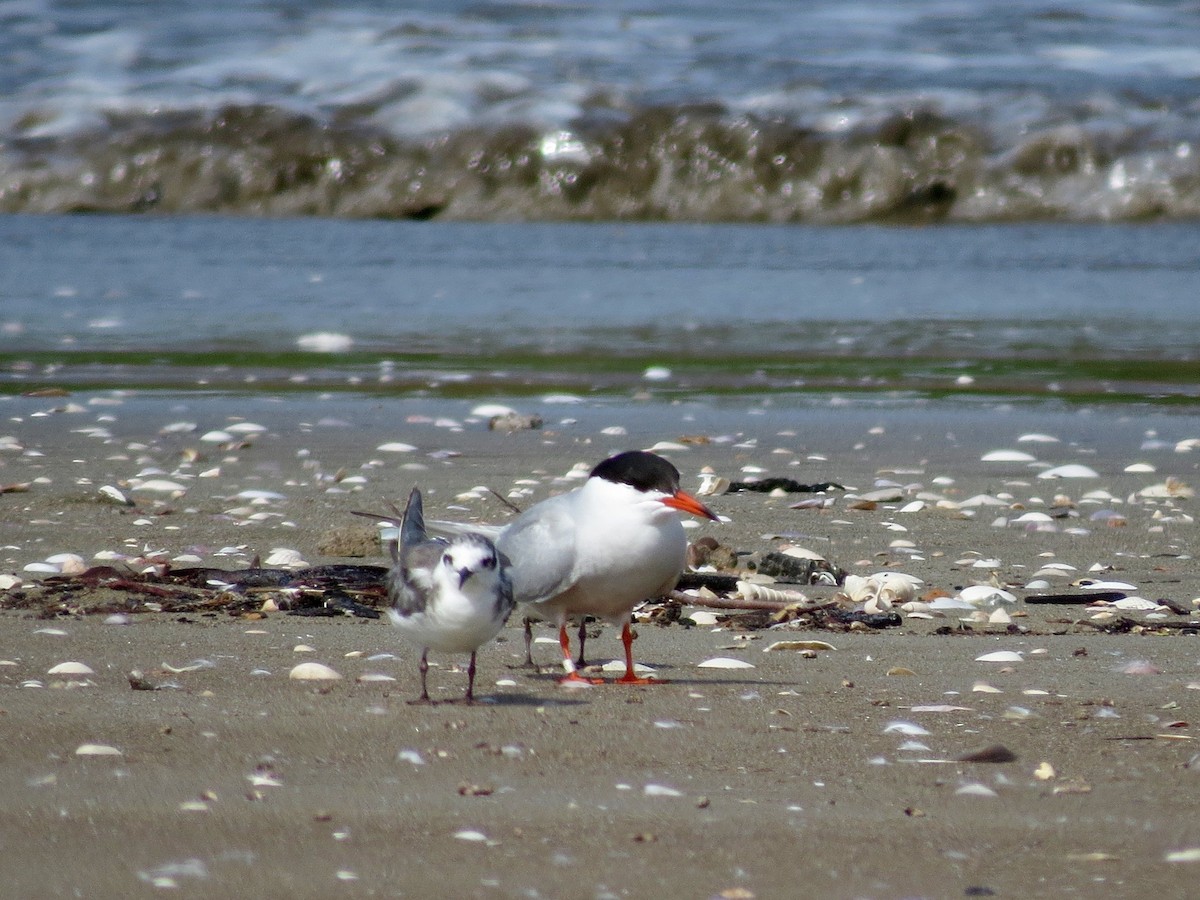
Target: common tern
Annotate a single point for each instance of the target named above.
(602, 548)
(447, 595)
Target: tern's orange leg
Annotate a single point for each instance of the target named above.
(629, 677)
(573, 676)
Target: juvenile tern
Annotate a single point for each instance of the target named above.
(447, 595)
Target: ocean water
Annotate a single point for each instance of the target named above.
(815, 112)
(1033, 314)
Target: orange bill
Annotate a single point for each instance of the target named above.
(684, 501)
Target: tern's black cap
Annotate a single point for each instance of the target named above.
(639, 469)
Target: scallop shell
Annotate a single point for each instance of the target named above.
(313, 671)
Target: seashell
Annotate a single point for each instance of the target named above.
(159, 486)
(246, 428)
(617, 665)
(488, 410)
(1033, 517)
(71, 668)
(982, 500)
(982, 687)
(914, 506)
(313, 671)
(1187, 855)
(41, 568)
(724, 662)
(1007, 656)
(984, 596)
(748, 590)
(396, 447)
(1072, 470)
(798, 645)
(285, 558)
(1035, 438)
(657, 373)
(908, 729)
(1140, 468)
(115, 495)
(259, 495)
(701, 617)
(470, 834)
(999, 617)
(8, 581)
(660, 790)
(975, 789)
(1007, 456)
(1044, 772)
(374, 677)
(667, 446)
(96, 750)
(1089, 584)
(1172, 487)
(1134, 603)
(68, 563)
(712, 485)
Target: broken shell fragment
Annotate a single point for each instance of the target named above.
(96, 750)
(798, 645)
(1005, 656)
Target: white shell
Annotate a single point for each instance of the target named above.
(1007, 456)
(71, 668)
(1007, 656)
(96, 750)
(798, 645)
(115, 494)
(724, 662)
(908, 729)
(285, 558)
(396, 447)
(660, 790)
(1073, 470)
(975, 789)
(159, 485)
(313, 671)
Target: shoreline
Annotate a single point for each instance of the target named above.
(721, 782)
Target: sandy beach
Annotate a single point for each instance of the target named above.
(856, 771)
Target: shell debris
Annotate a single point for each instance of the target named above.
(313, 671)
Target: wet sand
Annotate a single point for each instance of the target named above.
(797, 777)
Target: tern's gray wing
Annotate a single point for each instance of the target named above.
(414, 557)
(540, 544)
(412, 531)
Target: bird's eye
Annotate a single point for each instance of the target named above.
(489, 562)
